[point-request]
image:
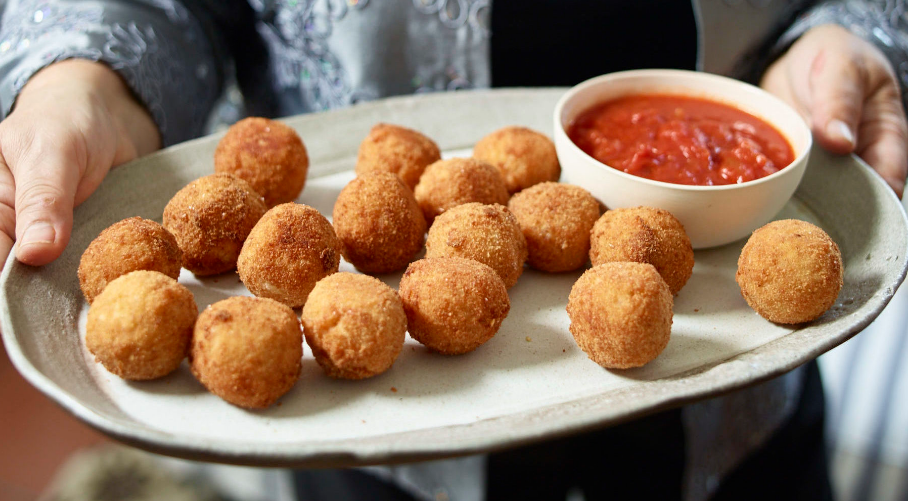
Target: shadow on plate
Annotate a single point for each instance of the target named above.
(680, 346)
(180, 382)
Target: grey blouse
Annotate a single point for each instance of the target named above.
(299, 56)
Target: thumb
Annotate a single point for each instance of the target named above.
(836, 96)
(45, 191)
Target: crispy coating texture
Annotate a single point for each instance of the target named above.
(523, 156)
(291, 248)
(247, 350)
(267, 154)
(453, 305)
(398, 150)
(644, 235)
(489, 234)
(621, 314)
(140, 325)
(556, 220)
(457, 181)
(355, 325)
(211, 218)
(378, 223)
(790, 271)
(129, 245)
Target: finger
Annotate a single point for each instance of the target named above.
(836, 87)
(46, 179)
(7, 214)
(884, 142)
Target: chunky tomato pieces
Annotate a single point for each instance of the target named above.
(681, 140)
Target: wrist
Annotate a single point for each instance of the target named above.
(99, 84)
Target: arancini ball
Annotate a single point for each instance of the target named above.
(355, 325)
(211, 218)
(523, 156)
(140, 325)
(398, 150)
(644, 235)
(457, 181)
(291, 248)
(378, 223)
(621, 314)
(489, 234)
(267, 154)
(790, 271)
(129, 245)
(453, 305)
(556, 220)
(247, 350)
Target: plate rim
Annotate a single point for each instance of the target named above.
(378, 448)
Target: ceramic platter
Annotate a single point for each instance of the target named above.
(528, 383)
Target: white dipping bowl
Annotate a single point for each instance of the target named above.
(711, 215)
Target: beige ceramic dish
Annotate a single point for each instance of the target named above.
(712, 215)
(528, 383)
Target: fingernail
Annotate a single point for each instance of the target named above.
(841, 130)
(38, 233)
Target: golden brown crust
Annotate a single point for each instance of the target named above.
(457, 181)
(489, 234)
(128, 245)
(556, 220)
(290, 249)
(247, 350)
(211, 218)
(398, 150)
(140, 325)
(523, 156)
(267, 154)
(790, 271)
(644, 235)
(355, 325)
(378, 223)
(453, 305)
(621, 314)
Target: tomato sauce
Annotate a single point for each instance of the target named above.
(681, 140)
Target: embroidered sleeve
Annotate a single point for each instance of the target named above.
(159, 47)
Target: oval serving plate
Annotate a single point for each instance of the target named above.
(530, 382)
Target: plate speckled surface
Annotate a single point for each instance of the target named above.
(528, 383)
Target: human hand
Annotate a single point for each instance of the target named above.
(72, 122)
(849, 94)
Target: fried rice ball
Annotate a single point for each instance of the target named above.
(129, 245)
(453, 305)
(790, 271)
(378, 223)
(489, 234)
(457, 181)
(355, 325)
(556, 220)
(140, 325)
(644, 235)
(267, 154)
(247, 350)
(621, 314)
(210, 218)
(291, 248)
(399, 150)
(523, 156)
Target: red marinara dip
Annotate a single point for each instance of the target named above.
(681, 140)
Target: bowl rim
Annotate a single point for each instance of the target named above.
(798, 163)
